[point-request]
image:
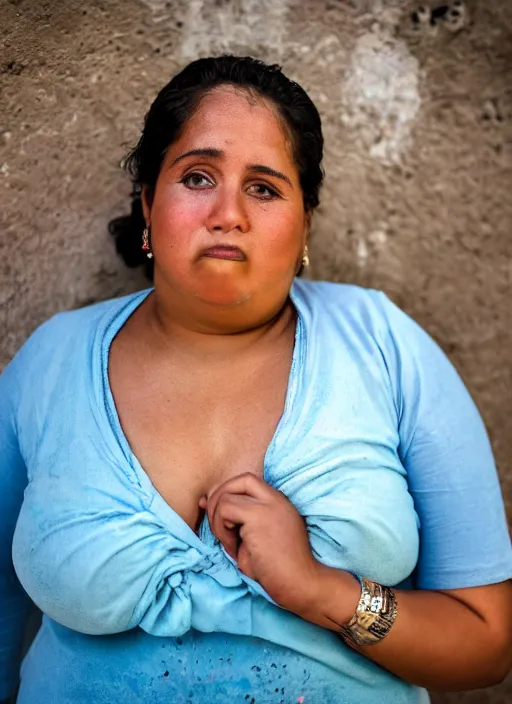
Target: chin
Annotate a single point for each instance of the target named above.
(220, 293)
(223, 300)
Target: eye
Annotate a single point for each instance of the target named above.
(264, 192)
(196, 180)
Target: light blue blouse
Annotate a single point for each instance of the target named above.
(380, 448)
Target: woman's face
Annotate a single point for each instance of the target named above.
(227, 218)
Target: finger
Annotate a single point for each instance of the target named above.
(248, 484)
(244, 563)
(203, 503)
(230, 540)
(231, 512)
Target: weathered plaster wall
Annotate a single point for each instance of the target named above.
(416, 100)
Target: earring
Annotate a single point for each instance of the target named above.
(145, 243)
(305, 257)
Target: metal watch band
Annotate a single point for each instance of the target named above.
(375, 614)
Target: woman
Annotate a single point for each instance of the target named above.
(219, 480)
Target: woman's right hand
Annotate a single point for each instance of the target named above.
(263, 531)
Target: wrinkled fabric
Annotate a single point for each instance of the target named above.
(378, 440)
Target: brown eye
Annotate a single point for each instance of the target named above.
(264, 192)
(196, 181)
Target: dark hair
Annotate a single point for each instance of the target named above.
(177, 102)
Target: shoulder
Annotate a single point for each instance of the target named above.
(66, 333)
(368, 321)
(331, 302)
(328, 292)
(365, 308)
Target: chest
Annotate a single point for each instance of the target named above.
(334, 456)
(194, 427)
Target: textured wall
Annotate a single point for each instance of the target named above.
(416, 100)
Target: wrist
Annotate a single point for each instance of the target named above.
(335, 596)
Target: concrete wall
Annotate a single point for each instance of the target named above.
(416, 100)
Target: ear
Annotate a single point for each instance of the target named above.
(146, 198)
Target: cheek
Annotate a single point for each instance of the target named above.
(177, 218)
(282, 237)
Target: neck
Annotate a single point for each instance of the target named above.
(211, 331)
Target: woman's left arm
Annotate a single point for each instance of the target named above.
(454, 632)
(445, 640)
(442, 640)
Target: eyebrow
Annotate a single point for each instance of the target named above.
(218, 154)
(208, 151)
(262, 169)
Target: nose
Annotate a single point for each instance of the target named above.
(228, 212)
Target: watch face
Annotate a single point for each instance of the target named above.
(376, 604)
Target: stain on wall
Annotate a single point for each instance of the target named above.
(380, 95)
(416, 100)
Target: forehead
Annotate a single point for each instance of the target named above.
(233, 120)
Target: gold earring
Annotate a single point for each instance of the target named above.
(305, 257)
(145, 243)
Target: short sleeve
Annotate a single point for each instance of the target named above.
(451, 474)
(14, 603)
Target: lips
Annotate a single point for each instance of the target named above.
(225, 251)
